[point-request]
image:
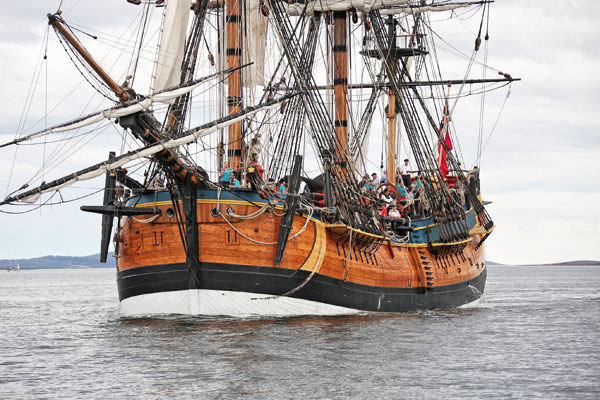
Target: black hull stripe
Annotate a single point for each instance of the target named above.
(275, 281)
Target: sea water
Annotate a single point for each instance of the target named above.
(535, 335)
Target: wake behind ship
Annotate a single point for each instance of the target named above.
(267, 207)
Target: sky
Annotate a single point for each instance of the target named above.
(540, 169)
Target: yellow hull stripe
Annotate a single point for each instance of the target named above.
(315, 260)
(320, 228)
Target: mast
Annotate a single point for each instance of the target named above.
(54, 20)
(340, 78)
(391, 113)
(233, 26)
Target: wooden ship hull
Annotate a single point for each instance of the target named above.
(326, 269)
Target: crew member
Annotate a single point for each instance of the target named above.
(405, 171)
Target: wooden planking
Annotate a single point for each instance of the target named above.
(219, 243)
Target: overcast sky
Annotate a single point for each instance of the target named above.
(541, 167)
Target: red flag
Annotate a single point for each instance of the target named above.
(443, 165)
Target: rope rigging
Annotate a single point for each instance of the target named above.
(308, 117)
(422, 149)
(82, 65)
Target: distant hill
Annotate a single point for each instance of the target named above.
(578, 262)
(565, 263)
(52, 262)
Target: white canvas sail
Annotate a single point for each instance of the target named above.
(172, 44)
(33, 195)
(164, 96)
(254, 43)
(385, 6)
(340, 5)
(422, 9)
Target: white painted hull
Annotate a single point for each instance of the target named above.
(219, 302)
(473, 304)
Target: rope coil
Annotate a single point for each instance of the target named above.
(262, 210)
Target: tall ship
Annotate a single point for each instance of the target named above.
(288, 158)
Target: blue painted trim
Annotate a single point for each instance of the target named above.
(203, 194)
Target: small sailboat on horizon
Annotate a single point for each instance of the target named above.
(17, 266)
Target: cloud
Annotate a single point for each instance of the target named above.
(52, 230)
(539, 227)
(540, 167)
(544, 171)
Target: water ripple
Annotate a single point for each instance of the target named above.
(533, 335)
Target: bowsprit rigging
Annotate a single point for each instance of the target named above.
(273, 212)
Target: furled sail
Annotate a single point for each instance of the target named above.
(172, 44)
(384, 6)
(256, 39)
(163, 96)
(422, 9)
(96, 170)
(254, 34)
(310, 7)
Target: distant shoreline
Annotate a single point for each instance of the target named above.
(59, 262)
(578, 263)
